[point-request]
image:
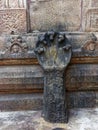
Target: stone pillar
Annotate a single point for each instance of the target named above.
(54, 54)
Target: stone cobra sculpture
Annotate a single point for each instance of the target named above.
(54, 54)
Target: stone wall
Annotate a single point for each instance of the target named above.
(55, 14)
(21, 21)
(64, 15)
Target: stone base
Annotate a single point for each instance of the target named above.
(79, 119)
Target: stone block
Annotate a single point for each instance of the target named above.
(19, 102)
(82, 77)
(90, 15)
(55, 14)
(94, 3)
(13, 20)
(81, 99)
(18, 79)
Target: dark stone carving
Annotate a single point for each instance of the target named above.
(54, 54)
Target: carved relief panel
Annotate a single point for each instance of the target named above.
(15, 3)
(13, 16)
(90, 15)
(92, 20)
(12, 20)
(94, 3)
(16, 46)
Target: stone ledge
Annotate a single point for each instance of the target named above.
(21, 102)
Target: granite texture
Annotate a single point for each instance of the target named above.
(79, 119)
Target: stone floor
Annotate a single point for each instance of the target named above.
(79, 119)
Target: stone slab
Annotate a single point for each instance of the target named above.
(55, 14)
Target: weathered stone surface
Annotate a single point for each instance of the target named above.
(90, 15)
(13, 16)
(82, 46)
(79, 77)
(20, 78)
(55, 14)
(54, 54)
(14, 102)
(12, 4)
(82, 77)
(24, 44)
(82, 99)
(12, 20)
(80, 119)
(92, 20)
(20, 102)
(17, 46)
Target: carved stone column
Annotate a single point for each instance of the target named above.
(54, 54)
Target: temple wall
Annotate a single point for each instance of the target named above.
(64, 15)
(22, 21)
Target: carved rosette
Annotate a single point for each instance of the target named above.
(54, 54)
